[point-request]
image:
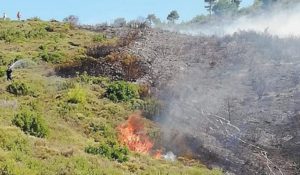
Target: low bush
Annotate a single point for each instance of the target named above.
(37, 32)
(2, 71)
(77, 95)
(51, 57)
(99, 38)
(12, 140)
(150, 107)
(36, 18)
(31, 123)
(110, 150)
(11, 35)
(122, 91)
(87, 79)
(19, 88)
(102, 129)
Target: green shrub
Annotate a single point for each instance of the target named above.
(110, 150)
(2, 60)
(12, 140)
(122, 91)
(99, 38)
(11, 35)
(19, 88)
(77, 95)
(150, 107)
(87, 79)
(36, 18)
(101, 129)
(49, 28)
(51, 57)
(37, 32)
(31, 123)
(2, 71)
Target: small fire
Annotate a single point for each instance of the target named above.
(132, 134)
(157, 154)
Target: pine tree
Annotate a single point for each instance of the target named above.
(210, 5)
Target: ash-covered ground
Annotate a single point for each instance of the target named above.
(231, 101)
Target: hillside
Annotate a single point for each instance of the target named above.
(55, 121)
(230, 101)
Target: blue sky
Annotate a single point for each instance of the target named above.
(97, 11)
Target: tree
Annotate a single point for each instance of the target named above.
(267, 3)
(156, 21)
(151, 18)
(72, 19)
(119, 22)
(173, 16)
(237, 2)
(210, 5)
(263, 3)
(199, 19)
(225, 8)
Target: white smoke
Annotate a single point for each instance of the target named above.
(232, 112)
(281, 21)
(170, 156)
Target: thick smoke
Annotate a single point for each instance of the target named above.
(237, 105)
(282, 22)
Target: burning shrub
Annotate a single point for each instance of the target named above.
(31, 123)
(122, 91)
(110, 150)
(19, 88)
(132, 134)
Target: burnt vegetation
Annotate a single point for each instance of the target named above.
(110, 60)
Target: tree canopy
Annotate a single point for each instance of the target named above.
(225, 7)
(173, 16)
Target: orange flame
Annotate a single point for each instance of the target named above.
(157, 154)
(132, 134)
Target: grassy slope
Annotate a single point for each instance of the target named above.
(62, 151)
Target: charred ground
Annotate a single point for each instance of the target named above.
(229, 101)
(236, 96)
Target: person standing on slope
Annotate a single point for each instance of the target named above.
(4, 16)
(9, 73)
(19, 15)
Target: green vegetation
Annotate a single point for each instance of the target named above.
(173, 16)
(2, 71)
(77, 95)
(19, 88)
(225, 8)
(122, 91)
(110, 150)
(53, 57)
(31, 123)
(53, 125)
(99, 38)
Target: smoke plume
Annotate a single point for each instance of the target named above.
(237, 104)
(281, 20)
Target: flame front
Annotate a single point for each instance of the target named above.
(132, 134)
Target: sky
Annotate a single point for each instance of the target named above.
(98, 11)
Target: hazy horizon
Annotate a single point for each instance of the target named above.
(93, 11)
